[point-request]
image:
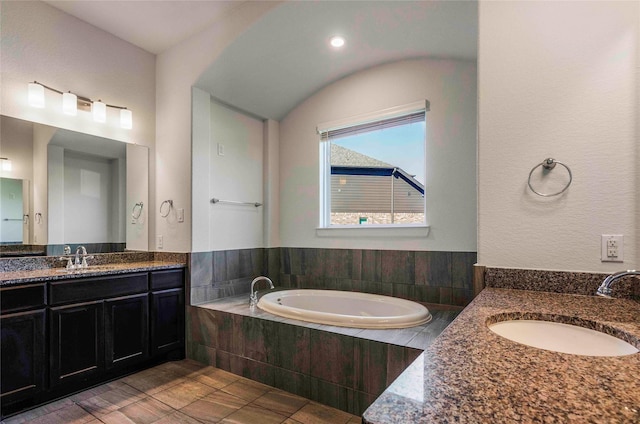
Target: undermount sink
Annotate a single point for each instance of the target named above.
(89, 268)
(560, 337)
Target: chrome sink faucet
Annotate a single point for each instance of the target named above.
(67, 257)
(81, 257)
(605, 288)
(253, 299)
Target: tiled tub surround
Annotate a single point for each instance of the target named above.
(470, 374)
(427, 277)
(216, 275)
(49, 268)
(345, 368)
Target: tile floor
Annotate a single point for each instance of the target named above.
(184, 392)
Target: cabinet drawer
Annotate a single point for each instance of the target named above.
(14, 299)
(170, 279)
(70, 291)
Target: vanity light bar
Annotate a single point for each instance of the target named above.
(6, 164)
(72, 102)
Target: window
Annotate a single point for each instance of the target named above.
(373, 169)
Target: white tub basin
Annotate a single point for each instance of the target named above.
(564, 338)
(345, 309)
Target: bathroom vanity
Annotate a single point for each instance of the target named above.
(470, 374)
(65, 331)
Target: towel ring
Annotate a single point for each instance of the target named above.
(170, 203)
(549, 164)
(138, 206)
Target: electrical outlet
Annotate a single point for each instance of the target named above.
(612, 248)
(220, 149)
(181, 215)
(159, 242)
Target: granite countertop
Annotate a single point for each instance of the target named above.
(51, 274)
(471, 375)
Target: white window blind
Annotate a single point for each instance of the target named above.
(395, 121)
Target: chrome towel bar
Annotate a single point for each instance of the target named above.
(234, 202)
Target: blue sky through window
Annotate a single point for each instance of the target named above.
(401, 146)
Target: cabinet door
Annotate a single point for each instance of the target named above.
(126, 324)
(22, 355)
(167, 321)
(76, 342)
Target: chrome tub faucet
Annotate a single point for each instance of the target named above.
(253, 299)
(605, 288)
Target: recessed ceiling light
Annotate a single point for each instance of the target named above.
(337, 41)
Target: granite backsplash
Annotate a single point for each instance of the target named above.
(47, 262)
(570, 282)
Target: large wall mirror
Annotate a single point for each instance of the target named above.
(61, 187)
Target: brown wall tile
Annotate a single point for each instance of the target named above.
(397, 266)
(333, 357)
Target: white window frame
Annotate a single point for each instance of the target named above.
(397, 230)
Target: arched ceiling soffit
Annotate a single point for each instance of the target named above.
(285, 57)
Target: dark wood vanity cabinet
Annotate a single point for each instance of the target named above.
(22, 342)
(126, 330)
(66, 335)
(91, 322)
(22, 357)
(167, 312)
(76, 343)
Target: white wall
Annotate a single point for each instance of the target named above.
(90, 191)
(235, 175)
(42, 43)
(200, 169)
(85, 197)
(251, 147)
(55, 194)
(42, 135)
(450, 87)
(11, 230)
(178, 69)
(271, 181)
(558, 79)
(137, 233)
(16, 144)
(637, 137)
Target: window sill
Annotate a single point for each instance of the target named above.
(374, 231)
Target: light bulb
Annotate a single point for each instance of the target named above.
(337, 41)
(6, 164)
(36, 95)
(69, 104)
(126, 119)
(99, 111)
